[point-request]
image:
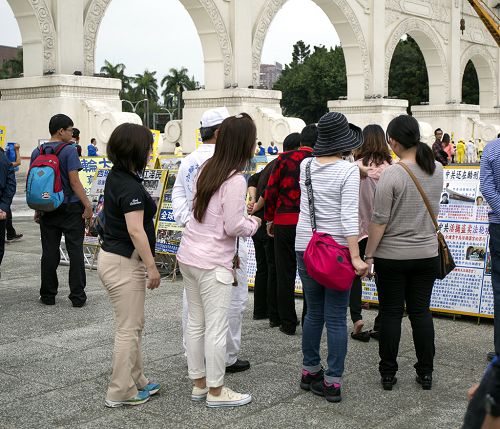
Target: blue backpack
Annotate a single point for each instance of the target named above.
(44, 190)
(10, 151)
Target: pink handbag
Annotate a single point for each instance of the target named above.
(326, 261)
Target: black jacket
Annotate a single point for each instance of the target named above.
(7, 182)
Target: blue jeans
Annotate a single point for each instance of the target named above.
(495, 280)
(324, 306)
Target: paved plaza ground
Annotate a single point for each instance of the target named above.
(55, 363)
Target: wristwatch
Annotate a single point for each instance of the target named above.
(367, 258)
(491, 406)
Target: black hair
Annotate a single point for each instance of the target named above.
(446, 138)
(177, 144)
(406, 131)
(498, 136)
(291, 142)
(436, 130)
(92, 139)
(59, 121)
(208, 133)
(259, 143)
(309, 135)
(129, 147)
(76, 133)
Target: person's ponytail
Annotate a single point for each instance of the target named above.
(425, 158)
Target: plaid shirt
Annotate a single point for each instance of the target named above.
(282, 194)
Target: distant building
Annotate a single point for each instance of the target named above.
(7, 53)
(269, 74)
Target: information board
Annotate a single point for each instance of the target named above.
(90, 164)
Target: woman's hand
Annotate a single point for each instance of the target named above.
(153, 277)
(360, 267)
(258, 219)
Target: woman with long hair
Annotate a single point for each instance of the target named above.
(372, 158)
(127, 253)
(208, 258)
(403, 247)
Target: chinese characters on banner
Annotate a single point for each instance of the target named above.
(89, 168)
(463, 218)
(154, 183)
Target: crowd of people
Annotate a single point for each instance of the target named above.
(332, 178)
(447, 152)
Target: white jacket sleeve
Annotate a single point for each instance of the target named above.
(180, 204)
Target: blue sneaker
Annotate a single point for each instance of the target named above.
(152, 388)
(141, 397)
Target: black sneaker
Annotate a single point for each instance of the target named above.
(16, 237)
(306, 380)
(47, 301)
(331, 393)
(274, 324)
(425, 381)
(388, 381)
(238, 366)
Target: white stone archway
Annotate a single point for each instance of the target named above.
(207, 18)
(434, 54)
(38, 36)
(483, 63)
(350, 33)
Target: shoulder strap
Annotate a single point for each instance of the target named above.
(310, 195)
(422, 193)
(60, 148)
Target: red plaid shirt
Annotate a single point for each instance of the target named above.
(282, 194)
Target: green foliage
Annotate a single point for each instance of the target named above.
(312, 79)
(12, 68)
(470, 85)
(408, 74)
(176, 82)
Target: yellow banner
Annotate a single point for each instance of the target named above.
(3, 136)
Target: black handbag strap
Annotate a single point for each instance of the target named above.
(310, 195)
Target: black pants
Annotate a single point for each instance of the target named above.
(3, 223)
(11, 232)
(286, 271)
(261, 275)
(272, 282)
(357, 292)
(66, 220)
(409, 281)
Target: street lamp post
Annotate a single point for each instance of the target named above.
(145, 119)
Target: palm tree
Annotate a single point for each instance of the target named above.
(117, 71)
(176, 82)
(147, 85)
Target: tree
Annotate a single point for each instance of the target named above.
(176, 82)
(300, 52)
(408, 74)
(308, 85)
(470, 85)
(146, 85)
(117, 71)
(12, 68)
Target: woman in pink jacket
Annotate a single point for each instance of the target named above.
(372, 158)
(208, 259)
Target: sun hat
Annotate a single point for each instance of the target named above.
(213, 117)
(336, 135)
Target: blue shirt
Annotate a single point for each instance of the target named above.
(490, 178)
(92, 150)
(68, 161)
(272, 150)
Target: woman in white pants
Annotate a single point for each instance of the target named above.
(208, 259)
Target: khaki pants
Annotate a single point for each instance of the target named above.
(209, 296)
(125, 281)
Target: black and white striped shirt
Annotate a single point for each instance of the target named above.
(336, 201)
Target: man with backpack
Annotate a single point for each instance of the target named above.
(7, 192)
(62, 208)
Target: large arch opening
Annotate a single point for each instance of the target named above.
(433, 53)
(481, 87)
(205, 22)
(303, 61)
(408, 79)
(11, 61)
(345, 24)
(36, 34)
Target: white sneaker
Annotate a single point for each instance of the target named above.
(199, 394)
(228, 398)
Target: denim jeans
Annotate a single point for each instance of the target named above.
(324, 306)
(495, 280)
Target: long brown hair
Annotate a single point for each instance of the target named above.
(374, 149)
(234, 147)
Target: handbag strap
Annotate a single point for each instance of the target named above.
(422, 193)
(310, 195)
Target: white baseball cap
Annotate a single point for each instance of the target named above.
(214, 117)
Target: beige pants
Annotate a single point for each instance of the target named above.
(209, 296)
(125, 281)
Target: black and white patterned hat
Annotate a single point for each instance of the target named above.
(336, 135)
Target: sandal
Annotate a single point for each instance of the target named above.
(361, 336)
